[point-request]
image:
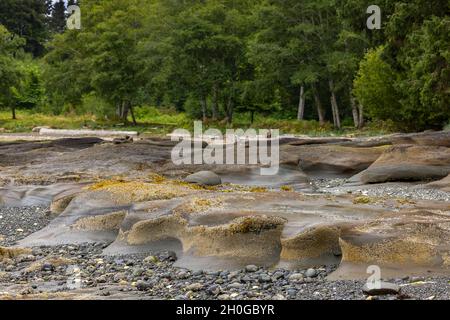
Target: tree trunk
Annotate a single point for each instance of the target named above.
(334, 106)
(301, 104)
(319, 107)
(125, 109)
(13, 111)
(132, 115)
(203, 103)
(361, 116)
(215, 103)
(252, 116)
(230, 106)
(354, 111)
(119, 110)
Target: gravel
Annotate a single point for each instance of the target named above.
(394, 190)
(18, 223)
(414, 192)
(83, 269)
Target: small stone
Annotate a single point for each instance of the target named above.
(47, 267)
(151, 260)
(198, 273)
(119, 277)
(142, 285)
(183, 275)
(214, 290)
(206, 178)
(169, 255)
(194, 287)
(251, 268)
(246, 279)
(292, 292)
(233, 275)
(264, 278)
(417, 279)
(101, 279)
(311, 273)
(296, 277)
(235, 285)
(277, 275)
(384, 288)
(138, 272)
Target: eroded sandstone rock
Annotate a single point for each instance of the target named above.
(407, 163)
(206, 178)
(331, 158)
(443, 184)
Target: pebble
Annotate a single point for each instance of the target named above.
(194, 287)
(311, 273)
(264, 278)
(251, 268)
(296, 277)
(142, 285)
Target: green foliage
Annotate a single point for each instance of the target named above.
(10, 73)
(29, 93)
(426, 85)
(232, 62)
(92, 104)
(193, 107)
(374, 87)
(27, 19)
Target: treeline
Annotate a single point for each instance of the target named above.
(308, 59)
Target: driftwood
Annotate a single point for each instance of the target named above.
(80, 133)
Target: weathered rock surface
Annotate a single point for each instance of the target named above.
(205, 178)
(408, 163)
(443, 184)
(331, 158)
(428, 138)
(207, 228)
(383, 288)
(120, 195)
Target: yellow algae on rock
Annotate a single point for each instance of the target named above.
(9, 253)
(53, 260)
(135, 191)
(313, 243)
(111, 221)
(60, 204)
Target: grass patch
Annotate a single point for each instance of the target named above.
(154, 121)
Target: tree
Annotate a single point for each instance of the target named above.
(27, 19)
(58, 16)
(426, 85)
(10, 46)
(375, 87)
(101, 57)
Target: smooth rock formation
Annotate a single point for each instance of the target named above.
(407, 163)
(331, 159)
(207, 228)
(443, 184)
(205, 178)
(383, 288)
